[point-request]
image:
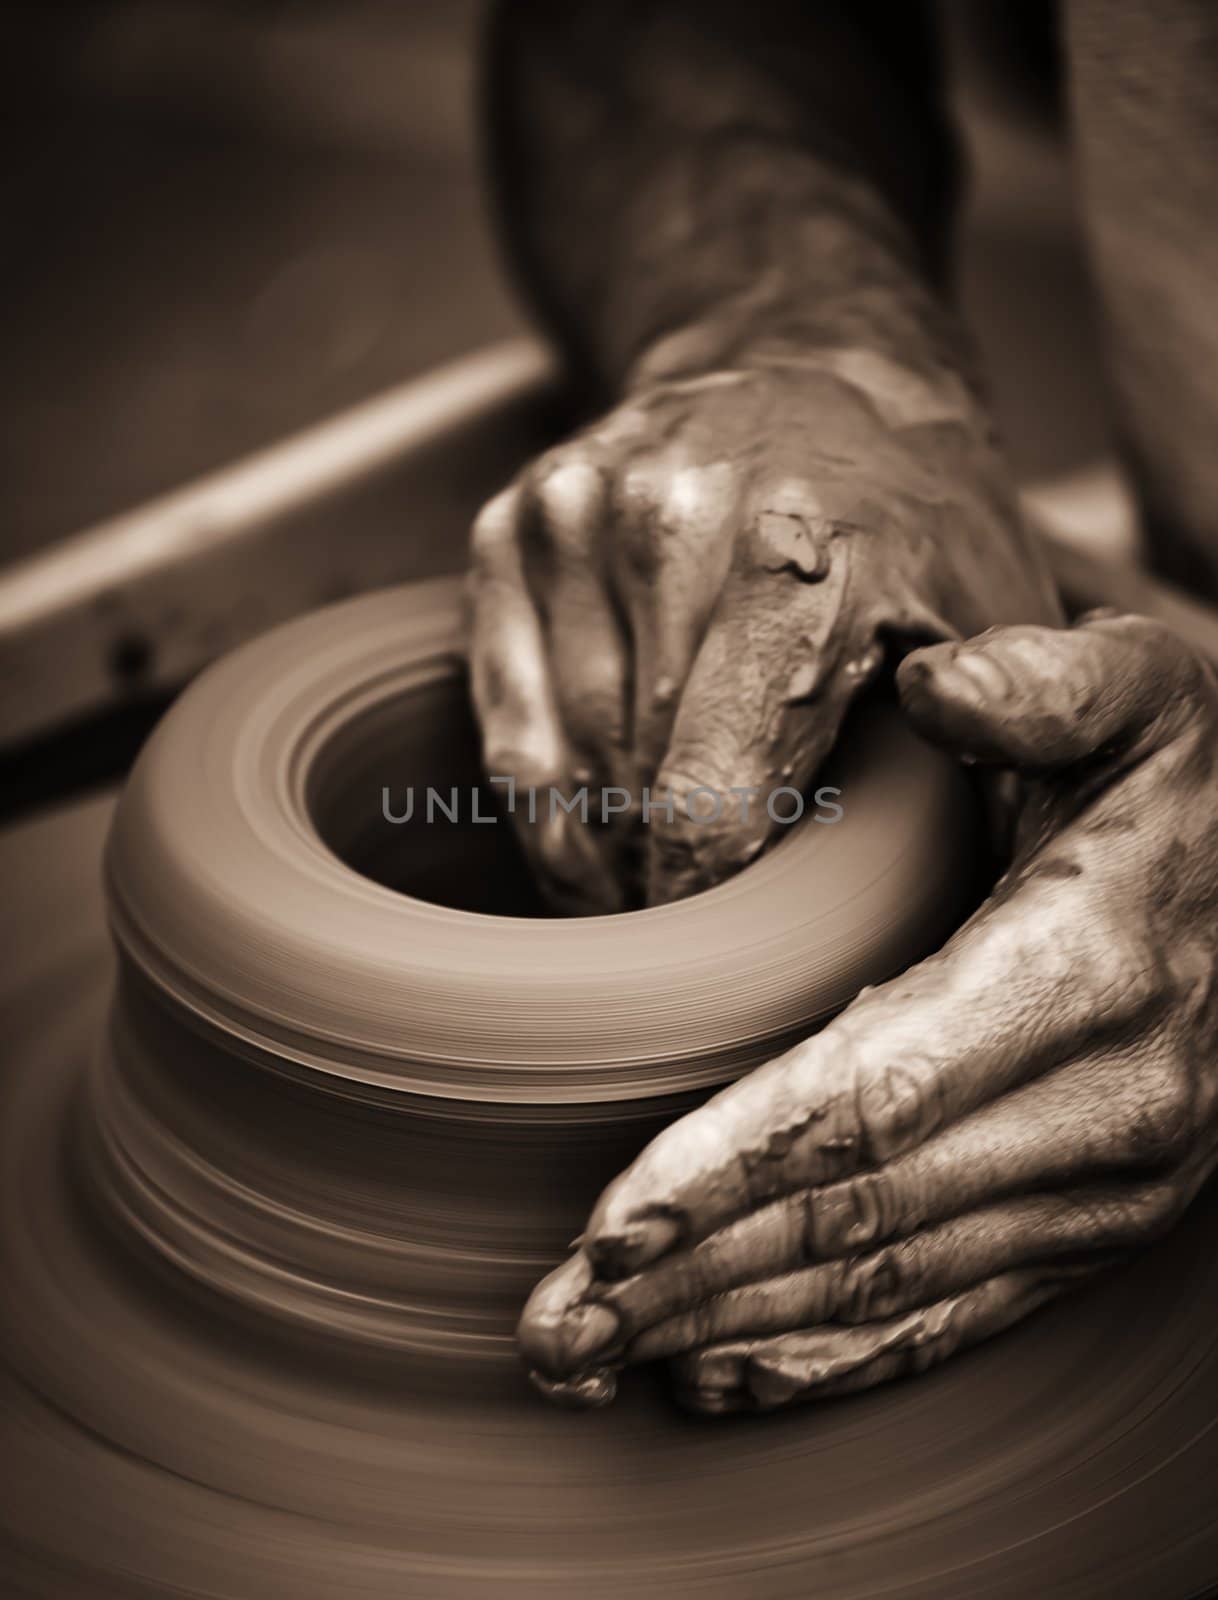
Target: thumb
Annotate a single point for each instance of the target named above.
(1042, 699)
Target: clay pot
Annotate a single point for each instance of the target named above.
(354, 1080)
(264, 1249)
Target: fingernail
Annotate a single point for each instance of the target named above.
(588, 1331)
(627, 1251)
(589, 1390)
(721, 1369)
(773, 1383)
(985, 678)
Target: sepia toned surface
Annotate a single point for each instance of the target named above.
(156, 1441)
(264, 1271)
(275, 1189)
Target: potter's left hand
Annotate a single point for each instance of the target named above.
(963, 1143)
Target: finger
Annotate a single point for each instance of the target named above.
(671, 549)
(588, 651)
(584, 1392)
(1099, 1115)
(941, 1261)
(562, 533)
(1046, 698)
(1105, 1114)
(560, 1329)
(1041, 974)
(559, 1333)
(763, 1374)
(522, 733)
(1051, 967)
(764, 699)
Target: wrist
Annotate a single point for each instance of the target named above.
(785, 260)
(908, 379)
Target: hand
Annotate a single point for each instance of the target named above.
(690, 593)
(963, 1143)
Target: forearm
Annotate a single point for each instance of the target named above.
(697, 186)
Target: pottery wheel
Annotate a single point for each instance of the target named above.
(197, 1403)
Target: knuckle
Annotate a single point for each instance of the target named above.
(568, 494)
(1163, 1120)
(494, 527)
(1166, 680)
(643, 487)
(666, 510)
(898, 1107)
(850, 1216)
(693, 500)
(1152, 1211)
(1125, 977)
(1159, 650)
(674, 512)
(873, 1287)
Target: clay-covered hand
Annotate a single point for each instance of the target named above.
(962, 1143)
(689, 593)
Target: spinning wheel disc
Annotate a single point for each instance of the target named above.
(164, 1435)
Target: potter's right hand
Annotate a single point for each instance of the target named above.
(689, 593)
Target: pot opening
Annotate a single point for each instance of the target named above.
(399, 795)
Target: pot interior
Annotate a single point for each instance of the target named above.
(398, 793)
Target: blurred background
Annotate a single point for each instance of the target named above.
(226, 222)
